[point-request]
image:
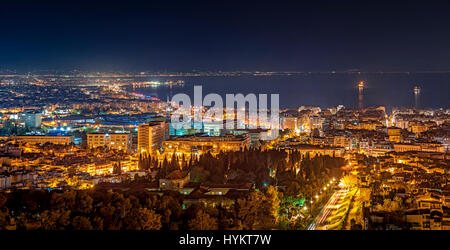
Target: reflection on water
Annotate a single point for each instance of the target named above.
(324, 90)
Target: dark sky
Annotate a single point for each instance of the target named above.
(225, 35)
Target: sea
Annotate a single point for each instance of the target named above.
(320, 89)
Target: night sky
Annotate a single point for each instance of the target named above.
(226, 35)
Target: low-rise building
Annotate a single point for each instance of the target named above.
(117, 141)
(202, 144)
(41, 139)
(175, 180)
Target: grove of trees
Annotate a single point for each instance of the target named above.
(283, 181)
(140, 210)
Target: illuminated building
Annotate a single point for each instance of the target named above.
(424, 147)
(289, 122)
(421, 217)
(97, 169)
(213, 195)
(432, 147)
(202, 144)
(255, 134)
(212, 129)
(304, 123)
(117, 141)
(151, 136)
(360, 94)
(317, 140)
(316, 122)
(314, 150)
(31, 119)
(395, 134)
(369, 125)
(418, 127)
(175, 180)
(416, 96)
(41, 139)
(445, 141)
(341, 141)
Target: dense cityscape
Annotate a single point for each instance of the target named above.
(91, 152)
(224, 124)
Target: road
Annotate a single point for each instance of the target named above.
(327, 209)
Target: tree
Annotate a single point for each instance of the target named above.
(81, 223)
(271, 205)
(55, 219)
(293, 188)
(203, 221)
(117, 168)
(3, 212)
(142, 219)
(249, 209)
(259, 210)
(97, 223)
(3, 220)
(149, 220)
(84, 202)
(65, 200)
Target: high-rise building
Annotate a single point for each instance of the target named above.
(117, 141)
(31, 119)
(416, 96)
(212, 129)
(360, 94)
(151, 136)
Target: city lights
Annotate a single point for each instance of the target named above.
(244, 116)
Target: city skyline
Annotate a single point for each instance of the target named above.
(184, 117)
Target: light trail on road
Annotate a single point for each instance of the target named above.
(326, 210)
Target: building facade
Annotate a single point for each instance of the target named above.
(117, 141)
(151, 136)
(203, 144)
(41, 139)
